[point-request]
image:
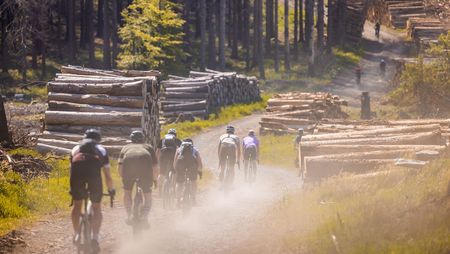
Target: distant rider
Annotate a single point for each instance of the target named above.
(137, 164)
(166, 150)
(229, 147)
(382, 67)
(297, 147)
(187, 163)
(250, 148)
(358, 73)
(377, 29)
(87, 160)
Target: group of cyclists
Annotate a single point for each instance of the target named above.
(141, 165)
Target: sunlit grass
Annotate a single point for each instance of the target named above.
(278, 151)
(397, 211)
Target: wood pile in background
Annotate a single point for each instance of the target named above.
(115, 102)
(359, 146)
(287, 112)
(426, 30)
(203, 92)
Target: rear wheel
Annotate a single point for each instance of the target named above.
(252, 176)
(137, 206)
(84, 240)
(187, 197)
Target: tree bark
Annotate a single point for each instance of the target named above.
(114, 32)
(203, 34)
(77, 107)
(300, 22)
(296, 29)
(212, 54)
(106, 35)
(287, 64)
(222, 9)
(341, 17)
(71, 29)
(5, 137)
(93, 118)
(124, 89)
(339, 149)
(276, 53)
(100, 24)
(83, 22)
(309, 24)
(246, 24)
(90, 31)
(234, 28)
(330, 24)
(262, 74)
(269, 26)
(3, 49)
(99, 99)
(320, 23)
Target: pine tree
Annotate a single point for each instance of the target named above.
(320, 23)
(151, 36)
(276, 54)
(222, 10)
(287, 64)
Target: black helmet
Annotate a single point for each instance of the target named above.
(93, 134)
(230, 129)
(172, 131)
(137, 137)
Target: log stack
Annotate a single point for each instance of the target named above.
(203, 92)
(358, 146)
(115, 102)
(426, 30)
(285, 113)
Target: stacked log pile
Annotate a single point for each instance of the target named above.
(355, 16)
(202, 92)
(361, 146)
(426, 31)
(285, 113)
(115, 102)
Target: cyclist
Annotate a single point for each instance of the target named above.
(377, 29)
(382, 67)
(187, 163)
(87, 160)
(137, 163)
(250, 148)
(298, 159)
(165, 151)
(358, 72)
(229, 147)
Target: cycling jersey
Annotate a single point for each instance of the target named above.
(248, 142)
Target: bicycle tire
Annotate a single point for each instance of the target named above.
(84, 241)
(165, 194)
(187, 197)
(138, 199)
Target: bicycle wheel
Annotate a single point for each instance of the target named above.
(84, 241)
(137, 204)
(187, 198)
(253, 170)
(166, 193)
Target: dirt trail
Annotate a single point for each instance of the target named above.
(216, 225)
(390, 45)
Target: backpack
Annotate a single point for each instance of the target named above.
(88, 146)
(87, 155)
(186, 158)
(228, 141)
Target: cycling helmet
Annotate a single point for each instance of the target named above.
(230, 129)
(300, 131)
(188, 140)
(251, 133)
(382, 60)
(93, 134)
(173, 132)
(137, 137)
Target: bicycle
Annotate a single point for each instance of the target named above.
(136, 222)
(168, 190)
(188, 200)
(83, 242)
(228, 176)
(252, 170)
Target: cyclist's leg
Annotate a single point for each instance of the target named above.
(76, 213)
(222, 162)
(180, 178)
(128, 182)
(78, 192)
(231, 162)
(145, 183)
(246, 157)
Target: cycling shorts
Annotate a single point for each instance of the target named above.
(227, 152)
(84, 180)
(140, 170)
(250, 152)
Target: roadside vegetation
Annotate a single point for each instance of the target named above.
(278, 151)
(223, 116)
(393, 211)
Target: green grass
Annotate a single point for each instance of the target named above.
(278, 151)
(224, 116)
(396, 211)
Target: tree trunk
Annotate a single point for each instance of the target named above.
(99, 99)
(235, 29)
(3, 49)
(296, 29)
(106, 35)
(114, 31)
(94, 118)
(246, 24)
(341, 17)
(203, 34)
(339, 149)
(276, 53)
(269, 26)
(320, 23)
(211, 35)
(77, 107)
(100, 24)
(71, 30)
(118, 89)
(300, 22)
(43, 60)
(5, 137)
(330, 24)
(262, 74)
(90, 31)
(255, 33)
(222, 9)
(287, 64)
(83, 21)
(309, 24)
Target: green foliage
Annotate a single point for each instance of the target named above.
(151, 35)
(425, 85)
(224, 116)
